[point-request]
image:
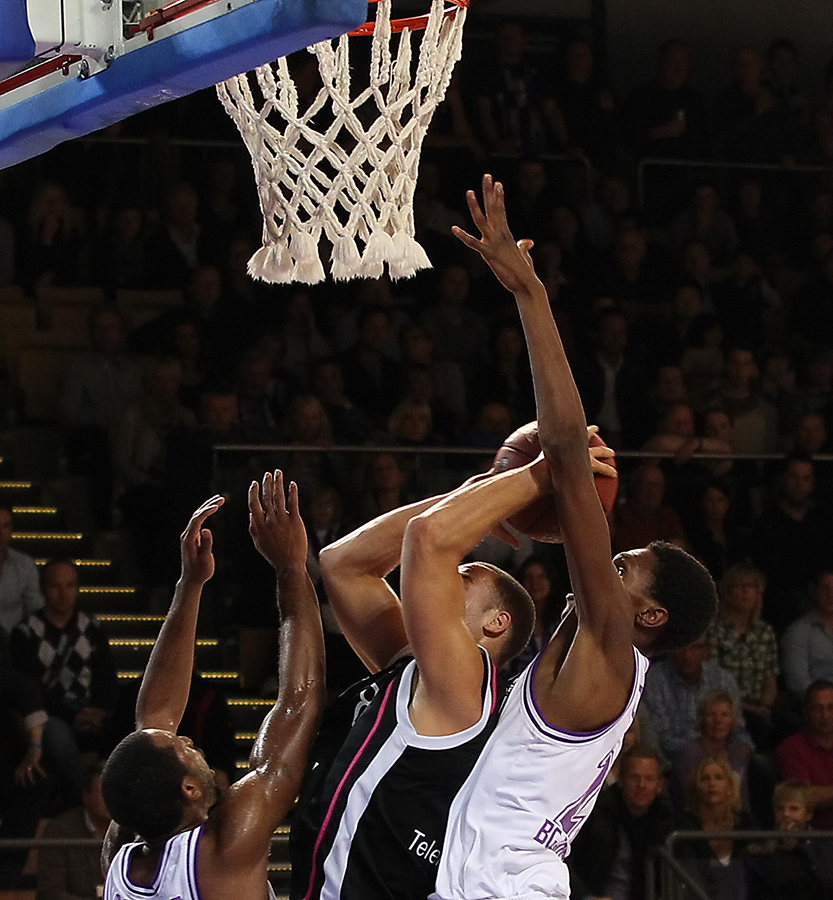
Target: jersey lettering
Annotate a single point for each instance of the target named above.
(558, 833)
(366, 697)
(425, 849)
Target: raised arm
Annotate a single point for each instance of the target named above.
(256, 805)
(367, 609)
(167, 679)
(438, 620)
(601, 656)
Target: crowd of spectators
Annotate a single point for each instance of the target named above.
(700, 329)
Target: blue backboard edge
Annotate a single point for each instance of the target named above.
(169, 68)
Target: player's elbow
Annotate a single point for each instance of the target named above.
(426, 534)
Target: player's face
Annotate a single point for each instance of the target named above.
(478, 583)
(636, 569)
(193, 760)
(792, 814)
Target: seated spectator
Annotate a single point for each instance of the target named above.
(644, 515)
(513, 111)
(385, 488)
(507, 378)
(124, 261)
(306, 424)
(789, 542)
(745, 645)
(460, 330)
(186, 344)
(50, 244)
(66, 651)
(98, 387)
(20, 594)
(715, 536)
(24, 787)
(303, 342)
(808, 755)
(778, 386)
(705, 221)
(530, 204)
(350, 425)
(674, 688)
(811, 309)
(418, 348)
(491, 425)
(807, 644)
(587, 106)
(612, 199)
(538, 577)
(630, 818)
(667, 117)
(259, 409)
(702, 359)
(613, 383)
(714, 805)
(182, 243)
(373, 380)
(717, 718)
(748, 305)
(791, 868)
(754, 420)
(139, 454)
(75, 872)
(750, 125)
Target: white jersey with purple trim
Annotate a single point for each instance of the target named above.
(510, 827)
(176, 876)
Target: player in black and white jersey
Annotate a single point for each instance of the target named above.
(511, 825)
(373, 809)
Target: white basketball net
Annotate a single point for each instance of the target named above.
(308, 182)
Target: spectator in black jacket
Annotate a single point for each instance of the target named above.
(632, 816)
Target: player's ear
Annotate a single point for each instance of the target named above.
(191, 789)
(498, 623)
(652, 617)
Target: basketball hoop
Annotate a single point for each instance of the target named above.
(348, 181)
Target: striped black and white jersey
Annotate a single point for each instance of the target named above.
(371, 817)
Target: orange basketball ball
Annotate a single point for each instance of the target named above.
(539, 519)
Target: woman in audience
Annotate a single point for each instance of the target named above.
(717, 716)
(538, 577)
(716, 538)
(746, 646)
(714, 805)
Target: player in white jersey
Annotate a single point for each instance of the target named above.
(173, 835)
(511, 824)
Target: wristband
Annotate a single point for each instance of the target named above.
(36, 745)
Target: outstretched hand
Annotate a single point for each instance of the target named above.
(275, 522)
(196, 543)
(508, 259)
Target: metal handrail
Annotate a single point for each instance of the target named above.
(483, 451)
(665, 853)
(716, 164)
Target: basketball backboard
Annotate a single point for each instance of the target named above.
(70, 67)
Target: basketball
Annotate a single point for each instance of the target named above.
(539, 519)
